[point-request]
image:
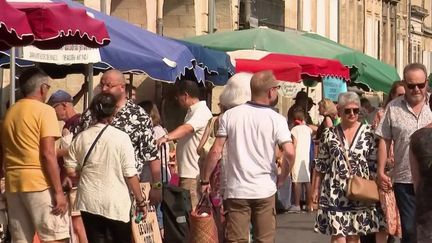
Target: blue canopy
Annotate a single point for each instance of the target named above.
(217, 64)
(135, 50)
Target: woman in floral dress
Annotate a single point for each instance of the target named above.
(343, 219)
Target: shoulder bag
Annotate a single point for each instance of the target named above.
(210, 139)
(92, 146)
(359, 188)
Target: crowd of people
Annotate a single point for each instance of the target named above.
(247, 159)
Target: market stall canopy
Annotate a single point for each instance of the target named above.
(14, 27)
(370, 71)
(217, 64)
(296, 43)
(135, 50)
(310, 66)
(54, 25)
(132, 50)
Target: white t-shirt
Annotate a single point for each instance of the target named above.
(300, 171)
(197, 116)
(252, 132)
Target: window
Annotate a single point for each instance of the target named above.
(306, 15)
(334, 20)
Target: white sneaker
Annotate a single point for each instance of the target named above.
(294, 209)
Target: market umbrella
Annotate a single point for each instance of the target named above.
(296, 43)
(54, 25)
(14, 27)
(137, 51)
(310, 66)
(216, 64)
(375, 74)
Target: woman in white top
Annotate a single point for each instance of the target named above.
(301, 135)
(105, 175)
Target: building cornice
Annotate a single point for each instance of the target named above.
(419, 12)
(427, 31)
(394, 2)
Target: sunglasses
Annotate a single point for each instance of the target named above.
(420, 86)
(355, 111)
(47, 85)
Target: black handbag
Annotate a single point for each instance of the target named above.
(176, 207)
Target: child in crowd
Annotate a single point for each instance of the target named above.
(300, 173)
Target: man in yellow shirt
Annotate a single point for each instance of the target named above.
(33, 189)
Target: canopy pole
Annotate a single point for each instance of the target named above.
(159, 17)
(131, 84)
(1, 92)
(211, 16)
(103, 7)
(12, 76)
(89, 80)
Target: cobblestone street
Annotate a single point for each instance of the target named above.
(298, 228)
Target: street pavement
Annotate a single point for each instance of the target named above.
(298, 228)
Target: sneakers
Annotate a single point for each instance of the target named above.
(294, 209)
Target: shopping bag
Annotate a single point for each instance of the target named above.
(145, 229)
(203, 227)
(391, 212)
(175, 206)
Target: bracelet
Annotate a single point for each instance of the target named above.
(156, 185)
(204, 183)
(141, 203)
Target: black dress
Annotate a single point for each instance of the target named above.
(421, 145)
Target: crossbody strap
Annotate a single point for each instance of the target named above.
(92, 146)
(344, 150)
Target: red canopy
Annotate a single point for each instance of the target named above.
(283, 71)
(14, 27)
(311, 66)
(54, 25)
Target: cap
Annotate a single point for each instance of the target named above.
(301, 95)
(58, 97)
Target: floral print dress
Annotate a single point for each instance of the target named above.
(337, 215)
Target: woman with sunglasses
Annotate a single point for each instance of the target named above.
(345, 220)
(397, 89)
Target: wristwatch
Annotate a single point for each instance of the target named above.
(156, 185)
(204, 183)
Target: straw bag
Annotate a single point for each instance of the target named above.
(210, 139)
(203, 227)
(359, 188)
(391, 212)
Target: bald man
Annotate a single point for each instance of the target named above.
(253, 130)
(133, 120)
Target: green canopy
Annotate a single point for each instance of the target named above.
(370, 71)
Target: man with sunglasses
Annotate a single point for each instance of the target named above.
(133, 120)
(403, 116)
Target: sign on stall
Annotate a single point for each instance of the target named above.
(67, 55)
(147, 229)
(332, 87)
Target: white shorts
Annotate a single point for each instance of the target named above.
(30, 212)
